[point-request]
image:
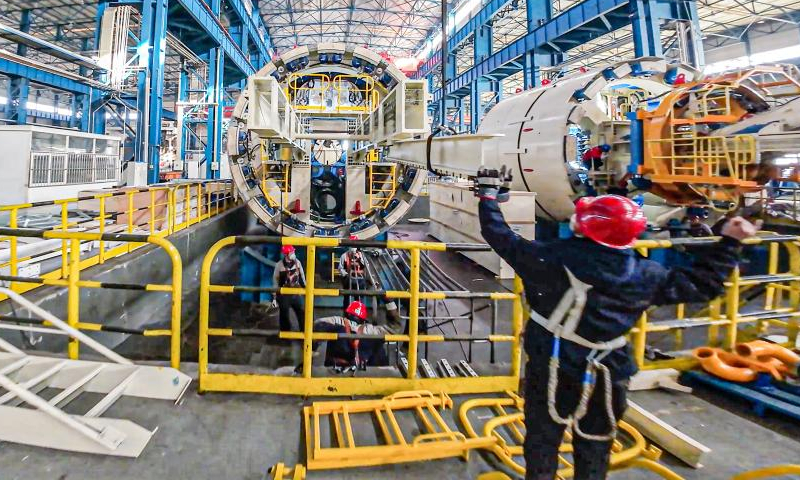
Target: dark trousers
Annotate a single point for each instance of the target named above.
(543, 435)
(286, 304)
(350, 283)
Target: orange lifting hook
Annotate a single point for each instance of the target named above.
(749, 360)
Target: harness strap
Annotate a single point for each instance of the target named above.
(563, 323)
(573, 337)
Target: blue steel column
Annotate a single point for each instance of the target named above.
(697, 36)
(214, 122)
(449, 102)
(482, 50)
(538, 12)
(646, 29)
(19, 87)
(150, 98)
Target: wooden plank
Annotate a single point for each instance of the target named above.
(666, 378)
(682, 446)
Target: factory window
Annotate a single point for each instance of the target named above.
(72, 168)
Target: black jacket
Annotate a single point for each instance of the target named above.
(623, 285)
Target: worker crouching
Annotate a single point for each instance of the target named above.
(585, 294)
(348, 354)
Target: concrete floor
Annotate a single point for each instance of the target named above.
(238, 437)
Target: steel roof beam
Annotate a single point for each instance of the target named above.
(483, 16)
(211, 26)
(565, 27)
(251, 23)
(20, 37)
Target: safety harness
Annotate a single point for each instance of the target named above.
(291, 274)
(562, 324)
(354, 266)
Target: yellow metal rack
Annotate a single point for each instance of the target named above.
(437, 441)
(507, 434)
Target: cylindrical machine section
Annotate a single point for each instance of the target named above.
(544, 134)
(535, 127)
(294, 134)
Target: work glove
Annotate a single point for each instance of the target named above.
(490, 184)
(486, 184)
(740, 229)
(504, 194)
(274, 303)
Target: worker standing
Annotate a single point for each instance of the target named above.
(585, 294)
(353, 272)
(289, 273)
(353, 354)
(594, 158)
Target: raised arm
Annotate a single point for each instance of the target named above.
(704, 279)
(492, 188)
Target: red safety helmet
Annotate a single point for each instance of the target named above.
(287, 249)
(352, 237)
(610, 220)
(357, 309)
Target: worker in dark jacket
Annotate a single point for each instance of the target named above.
(356, 354)
(289, 273)
(353, 272)
(585, 294)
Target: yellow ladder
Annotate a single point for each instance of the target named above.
(276, 172)
(382, 184)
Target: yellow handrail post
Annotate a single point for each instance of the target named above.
(308, 321)
(64, 226)
(794, 295)
(640, 340)
(13, 223)
(714, 311)
(202, 318)
(171, 214)
(680, 314)
(73, 294)
(413, 313)
(130, 218)
(187, 210)
(769, 295)
(177, 292)
(517, 316)
(199, 200)
(732, 309)
(102, 228)
(152, 212)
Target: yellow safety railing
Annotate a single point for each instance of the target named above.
(781, 308)
(347, 85)
(73, 283)
(159, 210)
(301, 96)
(306, 384)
